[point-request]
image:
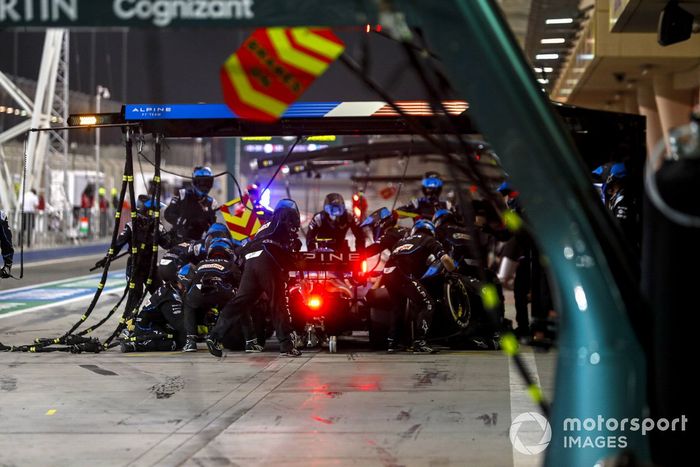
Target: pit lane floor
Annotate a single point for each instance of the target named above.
(355, 407)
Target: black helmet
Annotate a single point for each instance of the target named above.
(185, 272)
(144, 203)
(432, 185)
(286, 216)
(334, 205)
(423, 226)
(216, 231)
(285, 222)
(202, 180)
(380, 221)
(443, 216)
(220, 248)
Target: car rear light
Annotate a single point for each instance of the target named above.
(314, 302)
(363, 267)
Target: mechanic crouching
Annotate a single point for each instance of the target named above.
(410, 259)
(159, 326)
(266, 262)
(213, 284)
(329, 227)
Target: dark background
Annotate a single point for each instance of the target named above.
(179, 66)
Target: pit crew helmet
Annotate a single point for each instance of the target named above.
(286, 216)
(185, 272)
(144, 203)
(334, 205)
(220, 248)
(380, 221)
(253, 191)
(202, 180)
(216, 231)
(617, 172)
(616, 175)
(432, 185)
(443, 216)
(423, 226)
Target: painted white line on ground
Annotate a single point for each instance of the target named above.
(60, 260)
(54, 304)
(56, 282)
(521, 402)
(15, 296)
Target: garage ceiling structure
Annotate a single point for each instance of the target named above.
(557, 37)
(616, 49)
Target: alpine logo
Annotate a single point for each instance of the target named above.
(150, 111)
(331, 257)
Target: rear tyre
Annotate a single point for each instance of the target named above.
(455, 311)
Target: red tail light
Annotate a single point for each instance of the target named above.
(314, 302)
(363, 268)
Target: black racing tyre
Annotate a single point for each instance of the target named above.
(458, 303)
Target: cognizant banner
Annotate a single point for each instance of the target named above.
(181, 13)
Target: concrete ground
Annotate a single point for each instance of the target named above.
(355, 407)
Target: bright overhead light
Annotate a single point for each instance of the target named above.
(548, 69)
(257, 138)
(87, 120)
(586, 56)
(553, 40)
(559, 21)
(571, 81)
(321, 138)
(537, 70)
(542, 80)
(546, 56)
(565, 91)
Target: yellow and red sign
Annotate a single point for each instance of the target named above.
(273, 67)
(242, 223)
